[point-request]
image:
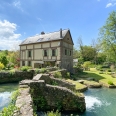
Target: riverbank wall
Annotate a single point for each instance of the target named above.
(45, 97)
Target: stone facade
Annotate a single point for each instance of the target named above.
(48, 49)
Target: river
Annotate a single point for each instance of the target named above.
(99, 102)
(5, 93)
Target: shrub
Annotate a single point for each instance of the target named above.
(43, 70)
(9, 65)
(52, 113)
(37, 71)
(57, 75)
(110, 82)
(1, 66)
(109, 70)
(86, 65)
(101, 72)
(25, 68)
(67, 75)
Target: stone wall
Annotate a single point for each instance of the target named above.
(7, 77)
(54, 81)
(49, 97)
(24, 102)
(63, 72)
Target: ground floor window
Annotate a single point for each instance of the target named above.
(23, 63)
(29, 63)
(49, 63)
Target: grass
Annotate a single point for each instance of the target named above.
(104, 78)
(78, 86)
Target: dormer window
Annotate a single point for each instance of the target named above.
(47, 38)
(40, 39)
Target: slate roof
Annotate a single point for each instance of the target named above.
(45, 37)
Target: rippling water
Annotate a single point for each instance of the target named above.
(100, 102)
(5, 93)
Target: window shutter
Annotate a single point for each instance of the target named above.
(42, 52)
(56, 52)
(48, 52)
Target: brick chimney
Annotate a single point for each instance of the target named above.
(61, 33)
(42, 33)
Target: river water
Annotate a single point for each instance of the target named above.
(5, 93)
(99, 102)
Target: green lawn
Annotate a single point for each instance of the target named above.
(94, 74)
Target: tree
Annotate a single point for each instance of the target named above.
(14, 57)
(3, 59)
(97, 47)
(1, 66)
(75, 53)
(107, 37)
(88, 53)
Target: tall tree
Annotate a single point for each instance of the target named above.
(107, 36)
(88, 53)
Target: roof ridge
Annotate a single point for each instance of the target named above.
(48, 33)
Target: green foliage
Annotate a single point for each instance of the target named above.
(109, 70)
(40, 102)
(57, 74)
(9, 65)
(67, 75)
(98, 67)
(3, 59)
(88, 53)
(9, 110)
(110, 82)
(25, 68)
(1, 66)
(107, 37)
(86, 65)
(14, 96)
(43, 70)
(36, 70)
(54, 83)
(52, 113)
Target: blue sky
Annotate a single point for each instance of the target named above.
(20, 19)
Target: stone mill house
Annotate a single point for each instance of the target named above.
(48, 49)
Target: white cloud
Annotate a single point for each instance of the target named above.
(8, 38)
(109, 4)
(17, 4)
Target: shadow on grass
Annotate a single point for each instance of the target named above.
(90, 75)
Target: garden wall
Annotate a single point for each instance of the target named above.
(7, 77)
